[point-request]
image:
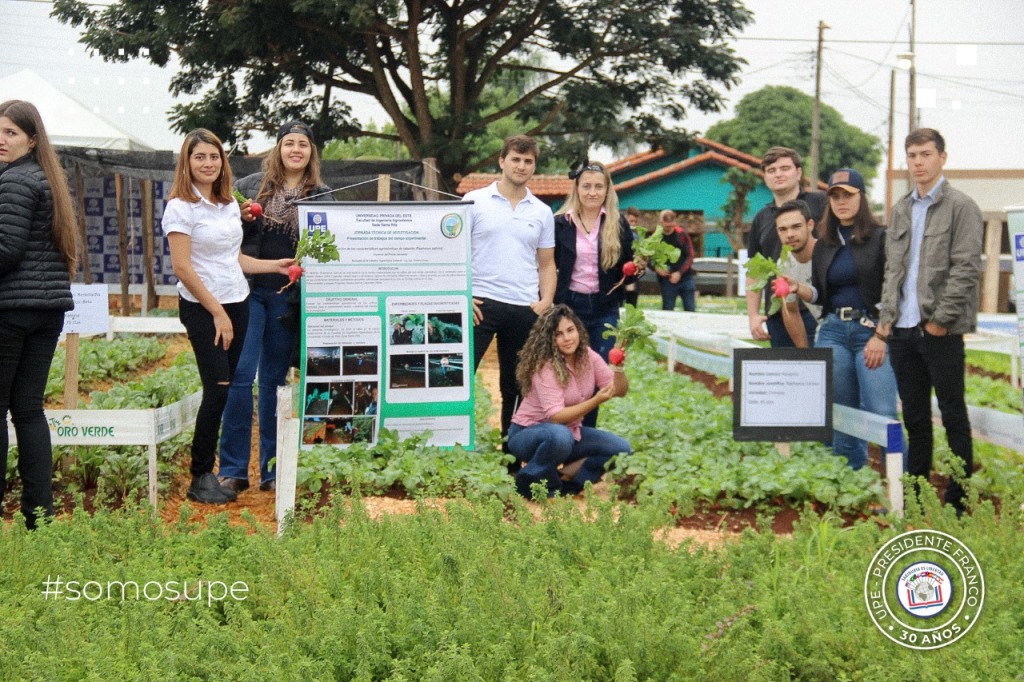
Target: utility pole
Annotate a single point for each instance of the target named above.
(816, 121)
(913, 70)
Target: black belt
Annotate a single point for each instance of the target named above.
(851, 314)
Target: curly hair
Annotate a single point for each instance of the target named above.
(540, 349)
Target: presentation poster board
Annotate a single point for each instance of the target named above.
(387, 336)
(782, 394)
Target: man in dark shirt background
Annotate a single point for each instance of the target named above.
(783, 174)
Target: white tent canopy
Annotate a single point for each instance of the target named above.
(68, 122)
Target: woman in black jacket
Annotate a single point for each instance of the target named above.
(592, 243)
(37, 257)
(846, 275)
(291, 172)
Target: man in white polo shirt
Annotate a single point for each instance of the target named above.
(513, 238)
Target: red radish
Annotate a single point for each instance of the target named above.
(294, 273)
(679, 230)
(256, 210)
(629, 269)
(780, 287)
(616, 356)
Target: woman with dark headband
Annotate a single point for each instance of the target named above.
(290, 172)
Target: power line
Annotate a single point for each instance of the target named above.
(965, 84)
(988, 43)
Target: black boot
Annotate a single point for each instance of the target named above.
(207, 489)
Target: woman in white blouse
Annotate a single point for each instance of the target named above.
(204, 230)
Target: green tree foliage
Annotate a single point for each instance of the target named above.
(781, 115)
(611, 72)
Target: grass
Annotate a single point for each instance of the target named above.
(485, 592)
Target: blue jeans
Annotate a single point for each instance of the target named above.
(685, 289)
(268, 346)
(854, 385)
(594, 317)
(546, 445)
(594, 314)
(28, 339)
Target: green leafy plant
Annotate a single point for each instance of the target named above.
(102, 360)
(654, 250)
(320, 246)
(762, 270)
(632, 331)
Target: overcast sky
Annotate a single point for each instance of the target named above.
(968, 61)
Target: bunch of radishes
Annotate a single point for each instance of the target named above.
(761, 270)
(317, 245)
(649, 249)
(632, 330)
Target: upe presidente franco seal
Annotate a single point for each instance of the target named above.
(924, 589)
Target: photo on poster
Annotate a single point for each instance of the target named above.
(323, 361)
(318, 397)
(407, 371)
(367, 398)
(341, 398)
(363, 429)
(445, 370)
(408, 329)
(314, 431)
(359, 360)
(444, 328)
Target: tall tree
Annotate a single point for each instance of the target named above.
(610, 71)
(781, 115)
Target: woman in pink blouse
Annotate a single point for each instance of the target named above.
(558, 373)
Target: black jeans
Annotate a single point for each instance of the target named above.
(27, 341)
(216, 368)
(922, 362)
(512, 325)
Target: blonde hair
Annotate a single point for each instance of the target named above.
(181, 188)
(25, 115)
(611, 244)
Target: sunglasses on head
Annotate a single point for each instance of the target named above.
(573, 174)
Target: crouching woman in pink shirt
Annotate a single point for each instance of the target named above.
(558, 373)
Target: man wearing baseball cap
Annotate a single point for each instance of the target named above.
(929, 301)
